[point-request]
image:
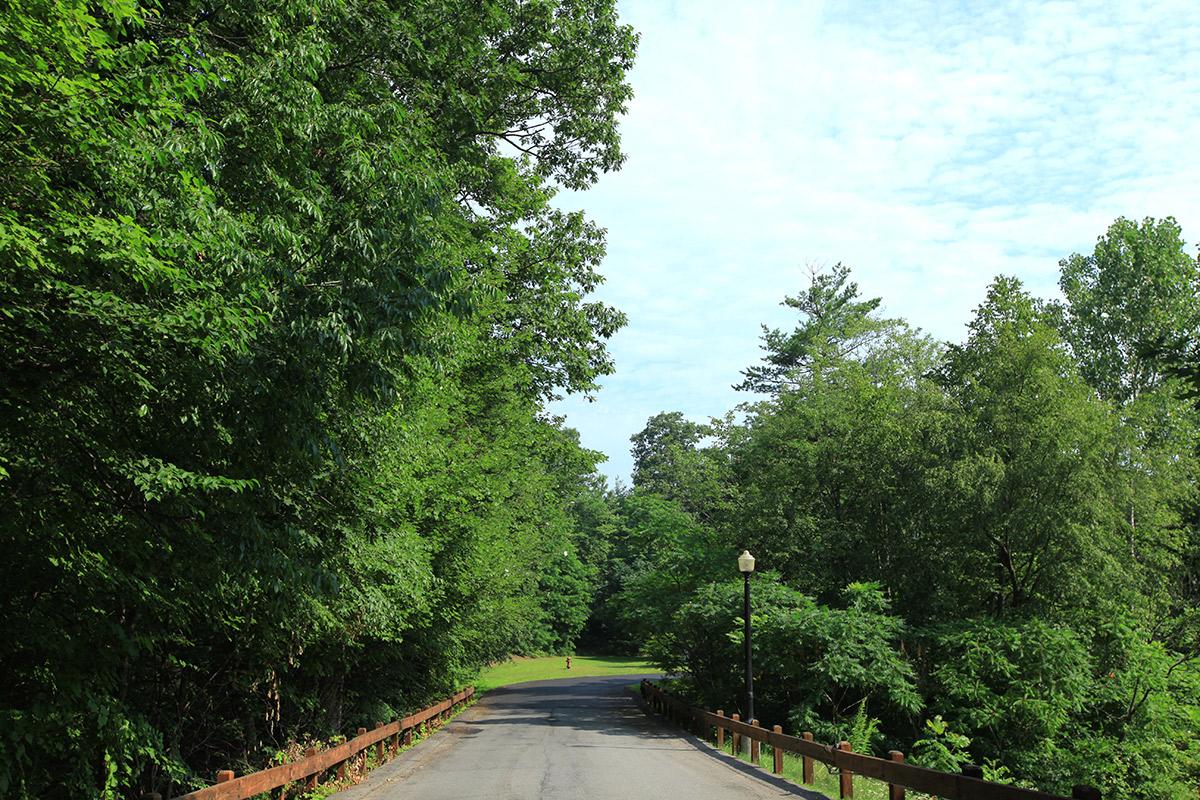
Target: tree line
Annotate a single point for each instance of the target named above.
(284, 298)
(285, 295)
(984, 551)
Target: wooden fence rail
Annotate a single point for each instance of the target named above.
(893, 771)
(310, 768)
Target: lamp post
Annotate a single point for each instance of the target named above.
(746, 565)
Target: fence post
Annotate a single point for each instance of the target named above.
(1085, 793)
(754, 745)
(806, 763)
(737, 737)
(895, 792)
(846, 778)
(379, 746)
(720, 731)
(224, 776)
(777, 766)
(362, 754)
(311, 783)
(394, 742)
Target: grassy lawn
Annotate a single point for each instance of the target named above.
(519, 670)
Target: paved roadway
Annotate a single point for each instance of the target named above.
(573, 739)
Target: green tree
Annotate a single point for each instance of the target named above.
(1032, 467)
(283, 293)
(660, 450)
(1132, 311)
(672, 459)
(667, 555)
(835, 325)
(1139, 287)
(835, 477)
(1033, 534)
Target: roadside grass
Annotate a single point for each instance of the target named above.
(825, 780)
(519, 670)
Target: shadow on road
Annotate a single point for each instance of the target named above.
(601, 705)
(758, 773)
(597, 704)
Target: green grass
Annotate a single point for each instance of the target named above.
(825, 781)
(519, 670)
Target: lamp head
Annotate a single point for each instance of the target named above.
(746, 561)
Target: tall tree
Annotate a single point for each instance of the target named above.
(835, 324)
(1033, 464)
(1138, 287)
(831, 472)
(1131, 314)
(666, 457)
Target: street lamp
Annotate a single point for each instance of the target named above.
(746, 565)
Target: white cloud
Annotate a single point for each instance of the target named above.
(928, 146)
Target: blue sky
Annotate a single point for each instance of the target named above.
(928, 145)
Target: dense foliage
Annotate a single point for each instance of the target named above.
(985, 551)
(282, 295)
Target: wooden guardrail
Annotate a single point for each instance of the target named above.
(898, 775)
(309, 769)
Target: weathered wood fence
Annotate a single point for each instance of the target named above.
(386, 739)
(898, 775)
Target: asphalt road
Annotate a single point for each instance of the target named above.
(561, 740)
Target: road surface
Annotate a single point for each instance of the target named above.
(573, 739)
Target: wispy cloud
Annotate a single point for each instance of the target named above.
(930, 146)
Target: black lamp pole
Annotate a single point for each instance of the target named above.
(746, 566)
(749, 662)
